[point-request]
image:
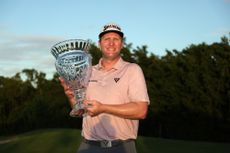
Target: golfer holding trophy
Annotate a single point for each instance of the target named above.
(73, 64)
(116, 97)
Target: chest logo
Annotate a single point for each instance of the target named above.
(116, 79)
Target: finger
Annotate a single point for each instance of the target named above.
(90, 114)
(70, 96)
(85, 102)
(63, 83)
(67, 88)
(61, 80)
(88, 103)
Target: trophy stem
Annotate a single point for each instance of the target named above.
(80, 97)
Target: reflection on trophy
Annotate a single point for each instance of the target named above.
(74, 63)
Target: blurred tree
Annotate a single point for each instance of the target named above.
(189, 92)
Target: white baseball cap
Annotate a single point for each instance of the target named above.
(111, 27)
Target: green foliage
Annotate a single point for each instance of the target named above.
(189, 92)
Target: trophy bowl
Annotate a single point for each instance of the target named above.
(74, 64)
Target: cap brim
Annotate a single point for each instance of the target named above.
(118, 32)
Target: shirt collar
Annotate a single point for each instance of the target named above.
(116, 66)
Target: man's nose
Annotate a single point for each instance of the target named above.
(111, 42)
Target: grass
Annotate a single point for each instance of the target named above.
(158, 145)
(68, 140)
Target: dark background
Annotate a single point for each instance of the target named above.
(189, 92)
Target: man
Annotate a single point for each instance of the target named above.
(116, 99)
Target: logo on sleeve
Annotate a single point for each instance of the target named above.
(116, 79)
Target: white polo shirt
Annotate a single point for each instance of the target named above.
(122, 84)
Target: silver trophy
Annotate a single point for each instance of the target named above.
(74, 64)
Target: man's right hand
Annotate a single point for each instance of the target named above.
(68, 91)
(70, 94)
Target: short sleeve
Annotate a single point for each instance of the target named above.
(137, 90)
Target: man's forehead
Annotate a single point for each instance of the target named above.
(111, 34)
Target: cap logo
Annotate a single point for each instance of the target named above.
(111, 26)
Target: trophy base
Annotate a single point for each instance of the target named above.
(77, 108)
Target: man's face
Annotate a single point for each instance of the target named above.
(111, 44)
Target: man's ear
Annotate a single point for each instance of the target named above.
(123, 44)
(99, 44)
